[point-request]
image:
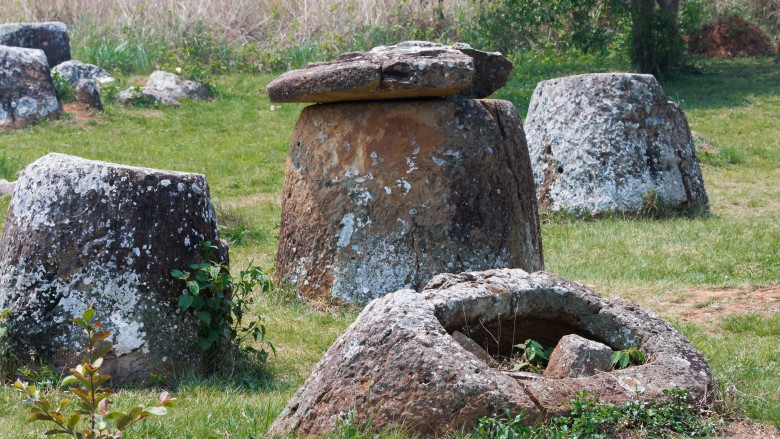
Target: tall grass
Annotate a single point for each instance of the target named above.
(239, 22)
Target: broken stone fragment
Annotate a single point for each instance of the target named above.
(80, 232)
(380, 196)
(88, 93)
(611, 142)
(491, 71)
(26, 89)
(399, 365)
(73, 71)
(52, 37)
(166, 89)
(576, 356)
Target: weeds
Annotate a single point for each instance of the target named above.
(589, 418)
(62, 88)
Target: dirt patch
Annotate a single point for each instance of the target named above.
(82, 114)
(730, 37)
(746, 429)
(707, 306)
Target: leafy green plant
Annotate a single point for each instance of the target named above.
(108, 90)
(62, 88)
(42, 375)
(220, 302)
(504, 427)
(533, 356)
(627, 357)
(91, 396)
(140, 99)
(589, 418)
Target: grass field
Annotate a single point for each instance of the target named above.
(717, 278)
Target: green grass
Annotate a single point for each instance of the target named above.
(240, 144)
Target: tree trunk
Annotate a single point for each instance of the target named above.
(656, 43)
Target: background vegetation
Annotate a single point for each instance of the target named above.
(707, 275)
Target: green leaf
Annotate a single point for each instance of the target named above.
(114, 415)
(193, 287)
(186, 301)
(56, 431)
(39, 416)
(214, 271)
(73, 420)
(156, 411)
(204, 316)
(101, 351)
(214, 302)
(178, 274)
(199, 302)
(88, 314)
(204, 343)
(70, 379)
(123, 421)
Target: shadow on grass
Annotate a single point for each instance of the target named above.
(724, 83)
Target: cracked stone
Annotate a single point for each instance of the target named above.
(611, 142)
(383, 195)
(399, 363)
(80, 232)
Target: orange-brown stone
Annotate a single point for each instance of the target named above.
(383, 195)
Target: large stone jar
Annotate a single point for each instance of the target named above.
(81, 232)
(383, 195)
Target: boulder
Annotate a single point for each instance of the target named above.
(52, 37)
(165, 89)
(80, 232)
(576, 356)
(399, 364)
(26, 90)
(73, 71)
(380, 196)
(611, 142)
(88, 93)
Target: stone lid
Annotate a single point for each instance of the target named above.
(405, 70)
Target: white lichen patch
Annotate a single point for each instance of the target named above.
(347, 229)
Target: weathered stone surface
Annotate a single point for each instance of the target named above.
(576, 356)
(87, 92)
(26, 91)
(409, 69)
(608, 142)
(73, 71)
(471, 346)
(491, 71)
(52, 37)
(80, 232)
(380, 196)
(166, 89)
(398, 364)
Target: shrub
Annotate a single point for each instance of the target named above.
(62, 88)
(91, 396)
(220, 302)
